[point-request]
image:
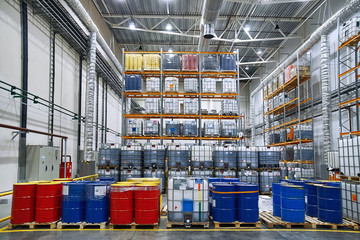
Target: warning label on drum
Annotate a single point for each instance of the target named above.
(100, 190)
(65, 190)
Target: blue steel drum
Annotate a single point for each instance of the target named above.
(276, 199)
(105, 179)
(311, 208)
(73, 202)
(292, 203)
(211, 180)
(224, 205)
(230, 180)
(247, 202)
(329, 204)
(333, 184)
(97, 202)
(296, 182)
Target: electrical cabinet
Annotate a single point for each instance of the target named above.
(42, 162)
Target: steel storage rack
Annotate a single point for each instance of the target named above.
(288, 113)
(348, 65)
(169, 91)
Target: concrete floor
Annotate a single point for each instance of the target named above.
(174, 233)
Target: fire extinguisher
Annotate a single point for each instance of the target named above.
(66, 171)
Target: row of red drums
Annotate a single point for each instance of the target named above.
(36, 201)
(131, 202)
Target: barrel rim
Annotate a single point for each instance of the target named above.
(122, 184)
(50, 183)
(27, 183)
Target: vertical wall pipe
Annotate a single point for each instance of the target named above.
(24, 86)
(79, 114)
(326, 94)
(90, 97)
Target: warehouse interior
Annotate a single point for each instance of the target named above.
(239, 116)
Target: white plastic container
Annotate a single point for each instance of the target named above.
(152, 106)
(229, 85)
(201, 156)
(171, 106)
(211, 128)
(171, 84)
(208, 85)
(134, 127)
(153, 84)
(191, 106)
(191, 85)
(229, 107)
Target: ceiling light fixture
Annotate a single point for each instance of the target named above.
(247, 28)
(247, 68)
(259, 52)
(170, 50)
(132, 26)
(168, 27)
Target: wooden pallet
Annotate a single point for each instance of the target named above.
(266, 193)
(32, 225)
(270, 221)
(171, 224)
(314, 223)
(121, 226)
(100, 225)
(61, 225)
(236, 225)
(140, 226)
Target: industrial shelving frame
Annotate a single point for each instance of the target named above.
(292, 109)
(199, 95)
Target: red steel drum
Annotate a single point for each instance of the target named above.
(48, 202)
(122, 203)
(23, 203)
(147, 203)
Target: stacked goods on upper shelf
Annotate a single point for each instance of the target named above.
(133, 83)
(304, 71)
(265, 92)
(133, 62)
(350, 29)
(171, 62)
(190, 85)
(134, 127)
(270, 88)
(228, 62)
(152, 105)
(171, 106)
(211, 128)
(306, 132)
(172, 128)
(306, 153)
(190, 128)
(171, 84)
(275, 85)
(191, 106)
(280, 80)
(209, 85)
(229, 107)
(153, 84)
(151, 62)
(229, 85)
(190, 62)
(152, 128)
(210, 62)
(228, 128)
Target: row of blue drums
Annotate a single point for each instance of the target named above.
(292, 199)
(86, 201)
(232, 200)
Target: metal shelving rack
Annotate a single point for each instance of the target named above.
(292, 110)
(199, 95)
(348, 84)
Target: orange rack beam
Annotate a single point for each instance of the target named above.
(352, 41)
(348, 71)
(349, 133)
(289, 86)
(288, 124)
(350, 101)
(280, 109)
(181, 138)
(297, 141)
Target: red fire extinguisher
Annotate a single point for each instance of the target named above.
(66, 171)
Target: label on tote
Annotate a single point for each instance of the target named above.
(100, 190)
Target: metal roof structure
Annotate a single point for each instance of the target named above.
(258, 28)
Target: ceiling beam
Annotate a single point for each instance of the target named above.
(268, 1)
(221, 17)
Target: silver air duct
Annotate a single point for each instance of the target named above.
(89, 23)
(326, 98)
(90, 98)
(210, 13)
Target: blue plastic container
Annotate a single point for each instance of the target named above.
(133, 82)
(247, 207)
(224, 205)
(97, 202)
(73, 202)
(333, 184)
(276, 199)
(292, 203)
(229, 180)
(329, 204)
(228, 62)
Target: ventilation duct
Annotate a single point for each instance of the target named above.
(209, 31)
